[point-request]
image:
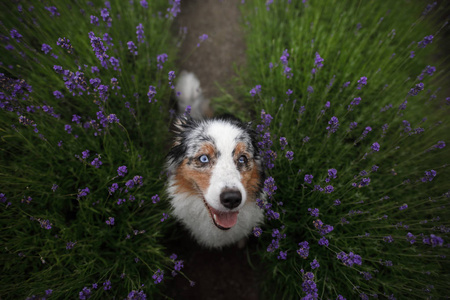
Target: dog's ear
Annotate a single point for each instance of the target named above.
(181, 125)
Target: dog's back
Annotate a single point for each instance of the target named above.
(189, 93)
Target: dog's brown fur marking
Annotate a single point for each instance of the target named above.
(192, 175)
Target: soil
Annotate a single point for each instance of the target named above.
(213, 61)
(220, 274)
(226, 273)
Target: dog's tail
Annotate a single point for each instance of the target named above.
(189, 93)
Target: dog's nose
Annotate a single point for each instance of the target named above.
(230, 198)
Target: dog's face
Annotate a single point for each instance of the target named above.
(216, 160)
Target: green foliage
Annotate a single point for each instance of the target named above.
(379, 50)
(35, 259)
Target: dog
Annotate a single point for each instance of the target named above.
(215, 172)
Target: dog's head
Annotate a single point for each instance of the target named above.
(218, 161)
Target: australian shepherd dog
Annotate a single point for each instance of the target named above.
(215, 171)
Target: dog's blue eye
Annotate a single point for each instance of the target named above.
(242, 159)
(204, 159)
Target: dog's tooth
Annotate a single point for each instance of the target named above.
(215, 217)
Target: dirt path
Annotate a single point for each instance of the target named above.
(213, 61)
(224, 274)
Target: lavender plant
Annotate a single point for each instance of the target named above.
(84, 119)
(354, 127)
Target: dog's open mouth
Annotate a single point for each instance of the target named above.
(222, 220)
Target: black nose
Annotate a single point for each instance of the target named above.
(230, 198)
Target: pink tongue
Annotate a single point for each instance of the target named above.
(225, 219)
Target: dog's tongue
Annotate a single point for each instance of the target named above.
(225, 219)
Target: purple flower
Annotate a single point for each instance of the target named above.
(46, 48)
(158, 276)
(144, 3)
(332, 173)
(155, 199)
(283, 142)
(54, 188)
(107, 285)
(83, 192)
(76, 119)
(161, 59)
(256, 90)
(58, 94)
(322, 228)
(15, 35)
(346, 84)
(136, 295)
(310, 89)
(175, 9)
(429, 175)
(315, 264)
(257, 231)
(113, 188)
(290, 155)
(151, 94)
(314, 212)
(329, 189)
(94, 20)
(140, 33)
(85, 154)
(68, 128)
(53, 11)
(308, 178)
(309, 286)
(70, 245)
(350, 259)
(403, 207)
(114, 62)
(366, 275)
(122, 170)
(366, 131)
(85, 293)
(375, 147)
(428, 8)
(334, 125)
(283, 255)
(202, 38)
(306, 139)
(415, 90)
(426, 40)
(354, 102)
(361, 82)
(96, 163)
(110, 221)
(132, 47)
(270, 187)
(337, 202)
(436, 240)
(304, 249)
(388, 239)
(65, 44)
(324, 242)
(284, 57)
(318, 61)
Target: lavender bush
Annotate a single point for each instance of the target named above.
(84, 119)
(354, 126)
